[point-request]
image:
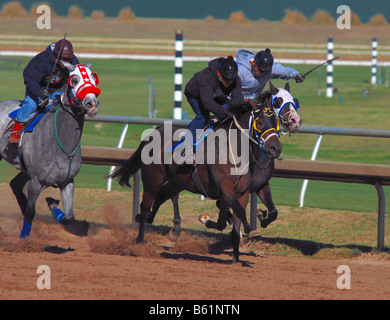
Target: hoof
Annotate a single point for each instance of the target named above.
(26, 229)
(203, 218)
(172, 236)
(65, 221)
(253, 234)
(264, 223)
(51, 202)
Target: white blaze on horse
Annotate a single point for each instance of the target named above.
(285, 108)
(50, 154)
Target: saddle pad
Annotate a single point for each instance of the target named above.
(198, 141)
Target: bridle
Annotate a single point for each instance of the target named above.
(286, 117)
(262, 137)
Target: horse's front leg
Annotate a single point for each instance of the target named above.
(233, 202)
(34, 190)
(67, 196)
(17, 184)
(223, 216)
(236, 237)
(266, 197)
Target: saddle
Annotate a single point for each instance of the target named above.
(213, 122)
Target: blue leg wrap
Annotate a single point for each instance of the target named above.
(58, 214)
(26, 229)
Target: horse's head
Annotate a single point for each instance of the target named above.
(285, 107)
(82, 90)
(265, 128)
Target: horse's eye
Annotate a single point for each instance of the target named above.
(259, 122)
(75, 80)
(278, 101)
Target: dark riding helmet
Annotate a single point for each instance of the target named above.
(65, 48)
(264, 60)
(228, 68)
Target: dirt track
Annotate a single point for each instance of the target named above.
(106, 265)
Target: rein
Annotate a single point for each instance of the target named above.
(243, 131)
(256, 142)
(70, 155)
(257, 130)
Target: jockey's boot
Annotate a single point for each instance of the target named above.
(15, 135)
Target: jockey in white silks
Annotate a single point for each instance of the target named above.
(255, 70)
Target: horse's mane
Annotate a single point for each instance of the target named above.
(241, 109)
(259, 99)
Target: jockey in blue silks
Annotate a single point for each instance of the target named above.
(255, 70)
(37, 74)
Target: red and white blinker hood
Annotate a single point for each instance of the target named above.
(87, 84)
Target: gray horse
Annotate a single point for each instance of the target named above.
(50, 155)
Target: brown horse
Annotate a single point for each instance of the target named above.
(248, 141)
(285, 108)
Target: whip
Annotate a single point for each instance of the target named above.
(327, 61)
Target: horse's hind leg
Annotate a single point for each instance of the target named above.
(174, 234)
(169, 191)
(142, 218)
(17, 184)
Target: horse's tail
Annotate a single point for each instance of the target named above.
(129, 167)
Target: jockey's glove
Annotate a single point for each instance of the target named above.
(299, 78)
(44, 94)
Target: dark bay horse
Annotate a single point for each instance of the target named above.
(219, 179)
(285, 108)
(50, 155)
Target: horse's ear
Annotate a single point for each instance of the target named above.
(287, 86)
(273, 89)
(68, 65)
(88, 65)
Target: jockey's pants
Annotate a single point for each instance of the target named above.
(27, 110)
(202, 115)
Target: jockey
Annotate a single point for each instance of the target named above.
(208, 91)
(255, 70)
(37, 74)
